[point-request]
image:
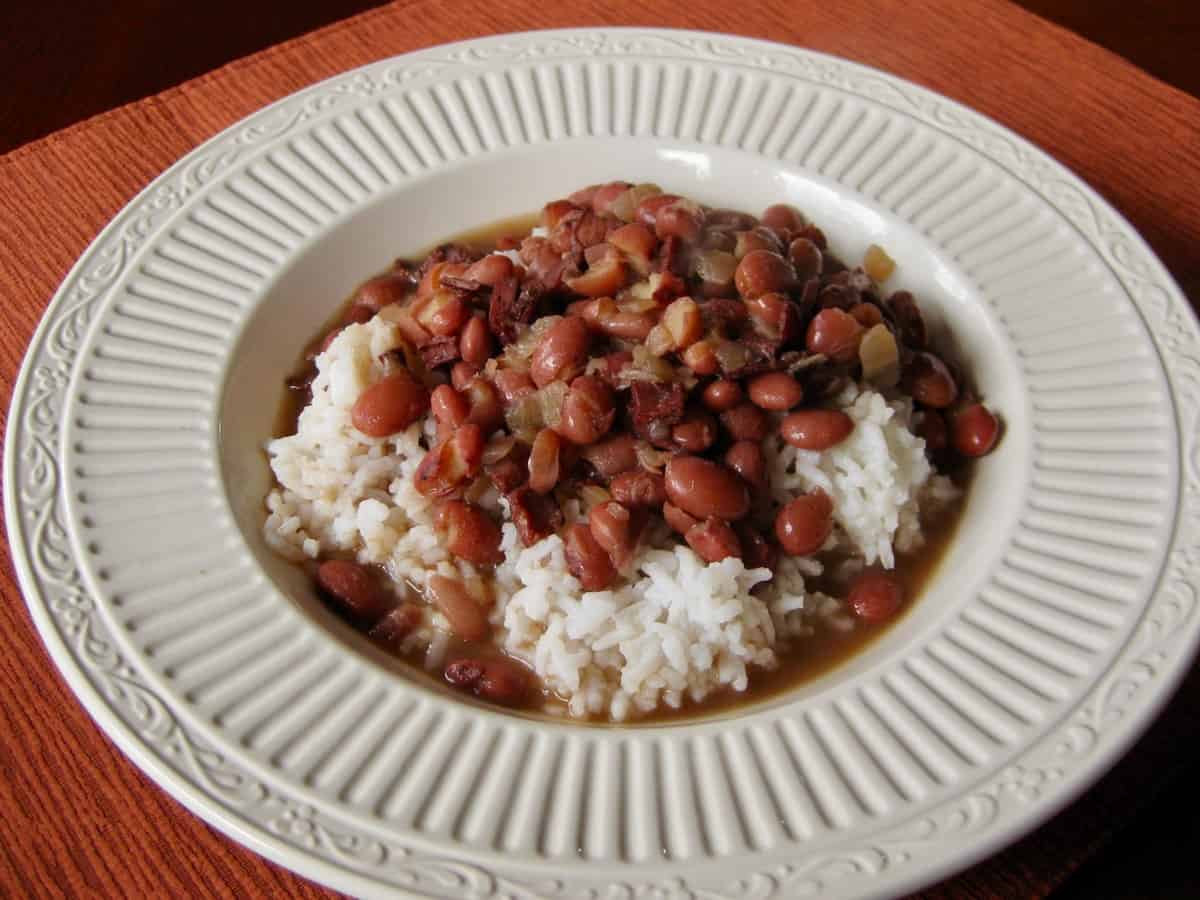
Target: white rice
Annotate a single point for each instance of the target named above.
(675, 628)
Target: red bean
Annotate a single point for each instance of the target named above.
(757, 238)
(562, 352)
(682, 219)
(713, 540)
(834, 333)
(746, 422)
(757, 551)
(354, 588)
(513, 385)
(783, 219)
(677, 518)
(588, 410)
(613, 456)
(639, 488)
(876, 596)
(976, 429)
(930, 382)
(393, 628)
(816, 429)
(448, 406)
(804, 524)
(586, 559)
(776, 391)
(746, 458)
(866, 314)
(806, 258)
(466, 617)
(774, 315)
(461, 374)
(696, 433)
(485, 407)
(607, 193)
(703, 488)
(358, 314)
(614, 528)
(470, 533)
(637, 242)
(451, 462)
(390, 405)
(722, 395)
(475, 342)
(490, 270)
(382, 290)
(762, 272)
(544, 461)
(497, 679)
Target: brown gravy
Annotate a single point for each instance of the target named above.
(805, 660)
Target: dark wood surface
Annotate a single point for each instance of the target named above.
(64, 61)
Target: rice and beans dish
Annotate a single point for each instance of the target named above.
(630, 461)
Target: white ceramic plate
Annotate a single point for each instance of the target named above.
(1055, 630)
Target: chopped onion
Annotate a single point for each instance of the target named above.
(880, 357)
(550, 399)
(878, 264)
(625, 206)
(650, 457)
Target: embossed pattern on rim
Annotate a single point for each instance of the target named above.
(1092, 623)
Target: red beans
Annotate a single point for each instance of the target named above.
(722, 395)
(806, 258)
(613, 526)
(713, 540)
(746, 422)
(617, 454)
(816, 429)
(513, 385)
(762, 272)
(382, 290)
(461, 374)
(469, 532)
(637, 242)
(703, 488)
(682, 219)
(746, 458)
(448, 406)
(804, 524)
(639, 488)
(588, 410)
(353, 587)
(774, 315)
(835, 334)
(876, 596)
(485, 408)
(866, 314)
(544, 461)
(784, 220)
(393, 628)
(562, 352)
(930, 381)
(677, 518)
(776, 391)
(451, 462)
(498, 679)
(696, 433)
(475, 342)
(390, 405)
(976, 429)
(490, 270)
(466, 617)
(586, 559)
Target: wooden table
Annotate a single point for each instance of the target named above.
(76, 818)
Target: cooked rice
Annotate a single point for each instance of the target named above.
(675, 628)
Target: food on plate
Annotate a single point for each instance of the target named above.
(635, 459)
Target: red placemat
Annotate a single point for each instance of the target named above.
(80, 819)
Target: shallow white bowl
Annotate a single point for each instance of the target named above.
(1054, 630)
